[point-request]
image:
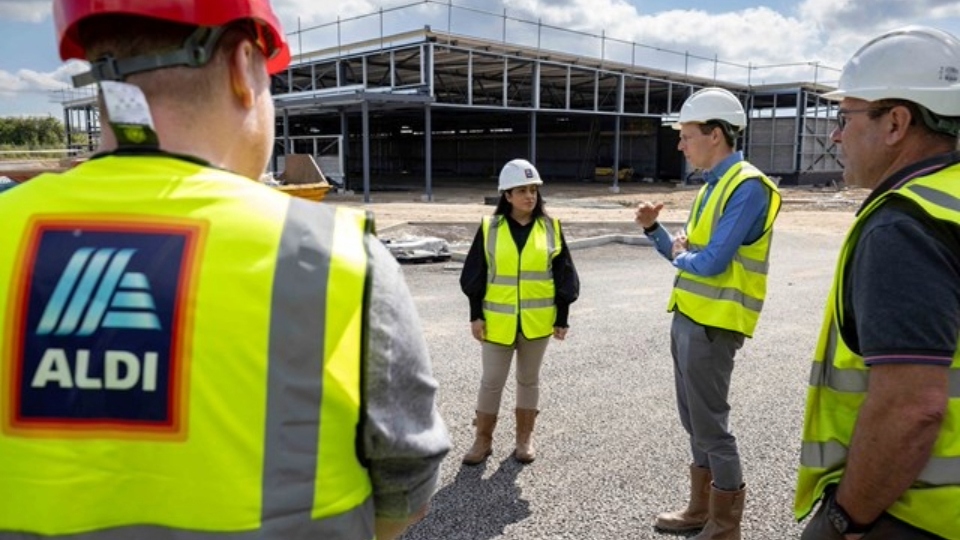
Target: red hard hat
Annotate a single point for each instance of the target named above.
(67, 13)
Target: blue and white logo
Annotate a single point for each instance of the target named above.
(101, 327)
(96, 290)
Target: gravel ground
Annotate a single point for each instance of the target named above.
(611, 451)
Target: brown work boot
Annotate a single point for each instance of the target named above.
(525, 421)
(726, 512)
(483, 443)
(695, 515)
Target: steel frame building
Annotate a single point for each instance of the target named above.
(431, 104)
(423, 106)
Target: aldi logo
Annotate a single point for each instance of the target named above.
(122, 299)
(101, 328)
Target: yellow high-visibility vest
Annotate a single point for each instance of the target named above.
(838, 388)
(520, 288)
(733, 298)
(176, 359)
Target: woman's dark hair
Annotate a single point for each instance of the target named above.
(504, 207)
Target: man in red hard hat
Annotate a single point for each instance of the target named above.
(187, 353)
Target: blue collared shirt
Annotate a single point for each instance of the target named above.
(741, 223)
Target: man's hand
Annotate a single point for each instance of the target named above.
(680, 245)
(647, 213)
(559, 333)
(388, 529)
(479, 329)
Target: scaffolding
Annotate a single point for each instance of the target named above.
(407, 102)
(81, 118)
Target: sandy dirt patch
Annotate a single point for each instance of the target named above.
(588, 210)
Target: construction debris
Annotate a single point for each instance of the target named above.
(419, 249)
(302, 177)
(301, 169)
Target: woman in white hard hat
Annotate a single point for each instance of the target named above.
(521, 281)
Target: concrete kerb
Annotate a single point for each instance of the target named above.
(578, 243)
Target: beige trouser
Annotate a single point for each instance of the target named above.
(496, 367)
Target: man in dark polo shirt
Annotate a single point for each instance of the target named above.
(881, 440)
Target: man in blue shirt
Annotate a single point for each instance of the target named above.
(721, 256)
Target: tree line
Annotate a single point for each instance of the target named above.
(31, 133)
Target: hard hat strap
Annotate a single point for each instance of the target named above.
(197, 50)
(940, 124)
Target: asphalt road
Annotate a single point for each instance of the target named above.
(611, 452)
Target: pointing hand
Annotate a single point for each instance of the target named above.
(647, 213)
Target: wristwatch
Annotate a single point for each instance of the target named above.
(841, 520)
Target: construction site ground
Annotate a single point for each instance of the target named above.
(585, 209)
(611, 452)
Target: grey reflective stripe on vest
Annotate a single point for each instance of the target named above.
(524, 304)
(295, 388)
(856, 381)
(748, 264)
(294, 392)
(841, 380)
(832, 455)
(551, 244)
(492, 276)
(936, 197)
(719, 293)
(153, 532)
(498, 308)
(528, 276)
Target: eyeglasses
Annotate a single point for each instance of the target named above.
(843, 113)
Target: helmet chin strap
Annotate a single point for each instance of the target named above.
(197, 50)
(940, 124)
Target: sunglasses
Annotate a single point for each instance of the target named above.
(842, 114)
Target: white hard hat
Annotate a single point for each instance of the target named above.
(914, 63)
(712, 104)
(518, 172)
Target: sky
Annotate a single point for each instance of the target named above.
(803, 41)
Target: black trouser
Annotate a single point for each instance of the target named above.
(885, 528)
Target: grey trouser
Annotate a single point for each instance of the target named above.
(702, 366)
(885, 528)
(496, 367)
